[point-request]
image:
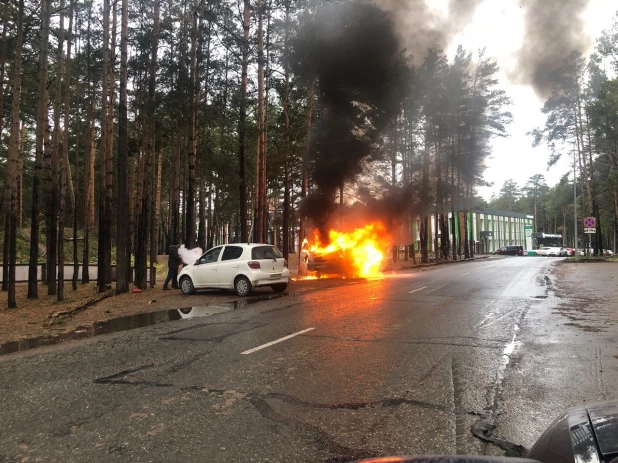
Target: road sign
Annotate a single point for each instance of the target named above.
(590, 230)
(590, 222)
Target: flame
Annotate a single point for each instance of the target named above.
(362, 248)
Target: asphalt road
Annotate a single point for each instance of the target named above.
(467, 358)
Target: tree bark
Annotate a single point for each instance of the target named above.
(122, 221)
(190, 200)
(4, 46)
(13, 160)
(104, 207)
(286, 135)
(242, 133)
(39, 150)
(260, 189)
(141, 256)
(65, 167)
(53, 196)
(88, 219)
(76, 205)
(302, 232)
(154, 240)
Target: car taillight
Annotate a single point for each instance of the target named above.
(254, 265)
(285, 263)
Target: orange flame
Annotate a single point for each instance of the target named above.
(362, 248)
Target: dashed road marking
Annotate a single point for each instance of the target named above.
(415, 290)
(268, 344)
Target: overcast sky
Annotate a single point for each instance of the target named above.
(498, 25)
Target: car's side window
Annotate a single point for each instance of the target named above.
(211, 256)
(231, 253)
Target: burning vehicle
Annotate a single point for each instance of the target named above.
(329, 263)
(358, 253)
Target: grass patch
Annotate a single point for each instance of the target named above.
(591, 259)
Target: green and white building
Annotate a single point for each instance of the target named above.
(491, 229)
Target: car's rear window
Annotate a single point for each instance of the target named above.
(265, 252)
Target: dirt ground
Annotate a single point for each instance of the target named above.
(39, 317)
(588, 294)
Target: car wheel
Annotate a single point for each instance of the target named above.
(242, 286)
(186, 286)
(279, 287)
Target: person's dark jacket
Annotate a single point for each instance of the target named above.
(174, 259)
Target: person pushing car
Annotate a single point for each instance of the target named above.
(173, 261)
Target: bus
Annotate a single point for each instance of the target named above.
(540, 240)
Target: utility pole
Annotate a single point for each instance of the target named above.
(575, 204)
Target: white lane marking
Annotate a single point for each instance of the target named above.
(410, 292)
(467, 273)
(268, 344)
(487, 321)
(439, 287)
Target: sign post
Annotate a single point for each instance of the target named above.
(528, 233)
(590, 227)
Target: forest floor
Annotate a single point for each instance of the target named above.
(85, 306)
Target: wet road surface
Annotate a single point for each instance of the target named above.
(468, 358)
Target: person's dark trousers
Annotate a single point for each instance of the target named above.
(172, 275)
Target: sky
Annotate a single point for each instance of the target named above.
(498, 26)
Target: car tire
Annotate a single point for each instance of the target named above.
(279, 287)
(186, 286)
(242, 285)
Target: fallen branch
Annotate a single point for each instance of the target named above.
(79, 308)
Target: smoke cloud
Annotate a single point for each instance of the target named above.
(419, 28)
(189, 256)
(352, 49)
(554, 29)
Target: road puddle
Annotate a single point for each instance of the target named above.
(130, 322)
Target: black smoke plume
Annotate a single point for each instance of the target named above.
(353, 53)
(419, 29)
(554, 29)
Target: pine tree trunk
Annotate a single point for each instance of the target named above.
(122, 220)
(89, 191)
(109, 155)
(154, 239)
(76, 206)
(259, 199)
(141, 257)
(6, 244)
(53, 196)
(4, 46)
(201, 235)
(302, 232)
(65, 167)
(131, 217)
(104, 208)
(242, 134)
(190, 198)
(175, 204)
(13, 160)
(263, 183)
(286, 135)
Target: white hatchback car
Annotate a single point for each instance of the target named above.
(240, 267)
